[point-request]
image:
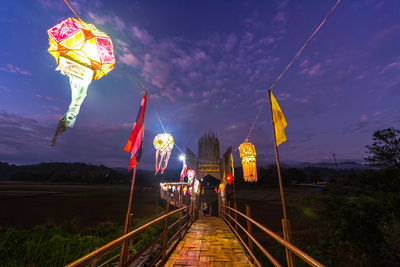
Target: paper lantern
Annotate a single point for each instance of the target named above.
(179, 188)
(222, 189)
(83, 53)
(248, 156)
(184, 190)
(229, 178)
(196, 186)
(163, 143)
(191, 174)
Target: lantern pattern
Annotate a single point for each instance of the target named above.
(248, 155)
(83, 53)
(163, 143)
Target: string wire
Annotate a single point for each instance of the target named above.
(291, 63)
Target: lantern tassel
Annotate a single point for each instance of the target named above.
(78, 93)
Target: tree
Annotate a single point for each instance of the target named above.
(385, 151)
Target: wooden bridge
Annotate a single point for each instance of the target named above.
(184, 237)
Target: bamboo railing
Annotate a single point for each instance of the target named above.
(229, 220)
(109, 253)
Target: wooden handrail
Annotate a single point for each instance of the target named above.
(263, 250)
(279, 239)
(113, 244)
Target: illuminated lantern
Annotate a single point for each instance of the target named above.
(184, 190)
(229, 178)
(196, 187)
(248, 156)
(179, 188)
(163, 143)
(191, 174)
(83, 53)
(173, 188)
(222, 189)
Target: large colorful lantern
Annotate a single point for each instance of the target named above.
(163, 143)
(248, 156)
(83, 53)
(191, 174)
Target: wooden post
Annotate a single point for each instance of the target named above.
(236, 216)
(229, 212)
(289, 256)
(249, 228)
(164, 249)
(124, 247)
(180, 223)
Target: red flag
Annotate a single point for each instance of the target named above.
(135, 142)
(183, 172)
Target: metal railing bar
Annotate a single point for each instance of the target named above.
(288, 245)
(118, 241)
(143, 250)
(242, 241)
(154, 241)
(263, 250)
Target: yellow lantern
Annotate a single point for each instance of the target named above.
(163, 143)
(248, 156)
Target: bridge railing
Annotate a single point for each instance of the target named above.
(176, 223)
(233, 223)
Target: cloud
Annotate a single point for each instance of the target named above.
(394, 65)
(312, 71)
(230, 42)
(280, 17)
(98, 19)
(142, 35)
(364, 117)
(283, 96)
(129, 59)
(14, 69)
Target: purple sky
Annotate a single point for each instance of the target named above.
(207, 65)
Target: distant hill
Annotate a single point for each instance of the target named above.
(292, 173)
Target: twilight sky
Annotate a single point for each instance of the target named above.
(207, 65)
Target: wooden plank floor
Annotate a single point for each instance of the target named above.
(208, 242)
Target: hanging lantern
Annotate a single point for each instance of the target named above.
(173, 188)
(248, 156)
(184, 190)
(229, 178)
(191, 174)
(222, 189)
(163, 143)
(179, 188)
(196, 186)
(83, 53)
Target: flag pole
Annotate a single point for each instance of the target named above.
(124, 248)
(285, 224)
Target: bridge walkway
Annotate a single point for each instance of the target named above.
(208, 242)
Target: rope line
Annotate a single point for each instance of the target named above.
(291, 63)
(131, 76)
(73, 11)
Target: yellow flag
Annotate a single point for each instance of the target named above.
(278, 120)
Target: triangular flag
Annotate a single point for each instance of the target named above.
(135, 142)
(279, 121)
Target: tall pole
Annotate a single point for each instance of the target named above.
(285, 223)
(124, 248)
(277, 159)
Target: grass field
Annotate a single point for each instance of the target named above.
(26, 204)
